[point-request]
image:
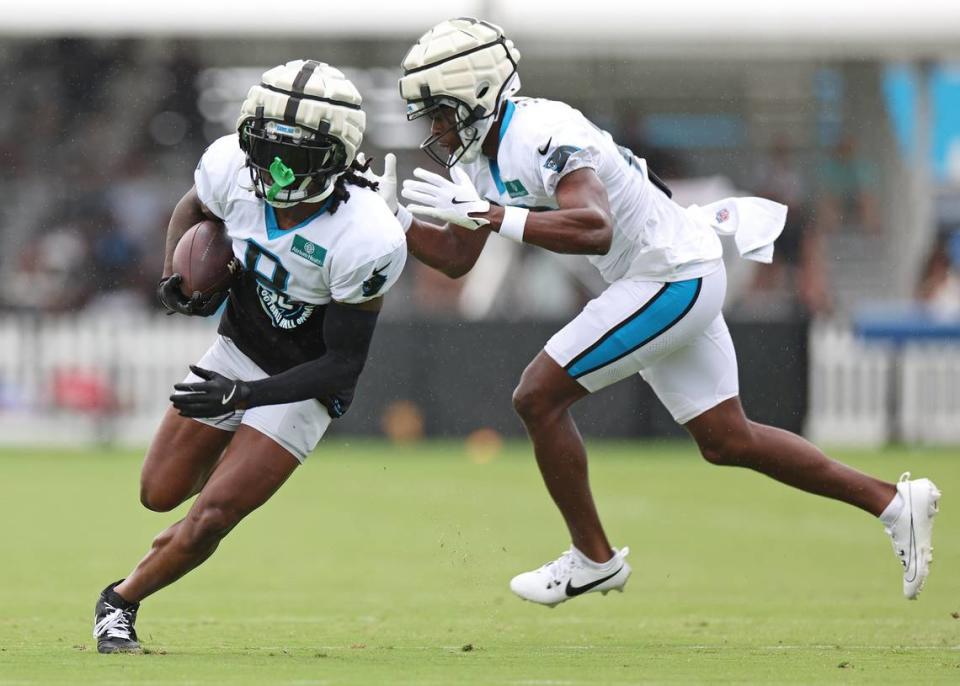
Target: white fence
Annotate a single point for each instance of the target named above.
(870, 393)
(77, 380)
(81, 379)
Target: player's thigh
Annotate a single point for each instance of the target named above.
(184, 450)
(180, 457)
(253, 468)
(633, 324)
(697, 377)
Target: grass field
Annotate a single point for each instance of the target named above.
(383, 565)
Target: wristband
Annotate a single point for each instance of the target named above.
(512, 224)
(404, 216)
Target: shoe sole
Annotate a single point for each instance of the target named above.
(111, 651)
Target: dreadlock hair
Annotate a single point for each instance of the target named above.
(354, 176)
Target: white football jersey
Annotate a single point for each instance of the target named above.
(351, 256)
(543, 140)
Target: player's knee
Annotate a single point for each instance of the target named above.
(528, 401)
(157, 499)
(729, 449)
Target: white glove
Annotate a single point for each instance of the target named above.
(387, 181)
(387, 187)
(448, 201)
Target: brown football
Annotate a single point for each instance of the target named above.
(202, 258)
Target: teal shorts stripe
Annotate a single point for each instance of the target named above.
(657, 315)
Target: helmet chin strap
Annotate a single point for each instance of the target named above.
(288, 201)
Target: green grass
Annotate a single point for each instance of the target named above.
(378, 565)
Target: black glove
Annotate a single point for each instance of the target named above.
(214, 397)
(175, 302)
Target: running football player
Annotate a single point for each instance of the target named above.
(316, 250)
(537, 171)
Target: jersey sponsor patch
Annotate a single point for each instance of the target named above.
(515, 188)
(558, 158)
(308, 250)
(373, 285)
(284, 313)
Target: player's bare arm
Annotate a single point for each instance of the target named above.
(446, 247)
(450, 249)
(582, 225)
(188, 212)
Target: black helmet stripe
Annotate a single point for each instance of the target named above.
(307, 96)
(501, 40)
(306, 71)
(290, 111)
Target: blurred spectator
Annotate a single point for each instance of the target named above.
(939, 286)
(797, 278)
(848, 190)
(51, 273)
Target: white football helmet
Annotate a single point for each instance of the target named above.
(301, 127)
(468, 65)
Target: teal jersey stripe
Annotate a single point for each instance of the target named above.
(658, 315)
(273, 229)
(494, 167)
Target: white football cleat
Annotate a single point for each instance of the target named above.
(571, 575)
(912, 533)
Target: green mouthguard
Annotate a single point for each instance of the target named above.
(282, 175)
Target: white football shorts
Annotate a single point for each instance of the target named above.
(672, 334)
(298, 426)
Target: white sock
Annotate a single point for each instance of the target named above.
(892, 512)
(587, 562)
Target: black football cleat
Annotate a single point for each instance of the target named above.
(113, 622)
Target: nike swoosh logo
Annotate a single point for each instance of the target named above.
(226, 398)
(546, 146)
(573, 591)
(460, 202)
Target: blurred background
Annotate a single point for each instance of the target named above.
(851, 118)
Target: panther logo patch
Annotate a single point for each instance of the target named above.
(373, 285)
(284, 313)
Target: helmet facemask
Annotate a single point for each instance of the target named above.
(470, 128)
(309, 161)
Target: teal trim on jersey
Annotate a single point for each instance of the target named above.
(507, 116)
(273, 229)
(494, 167)
(495, 173)
(659, 314)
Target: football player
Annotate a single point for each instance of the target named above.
(316, 249)
(537, 171)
